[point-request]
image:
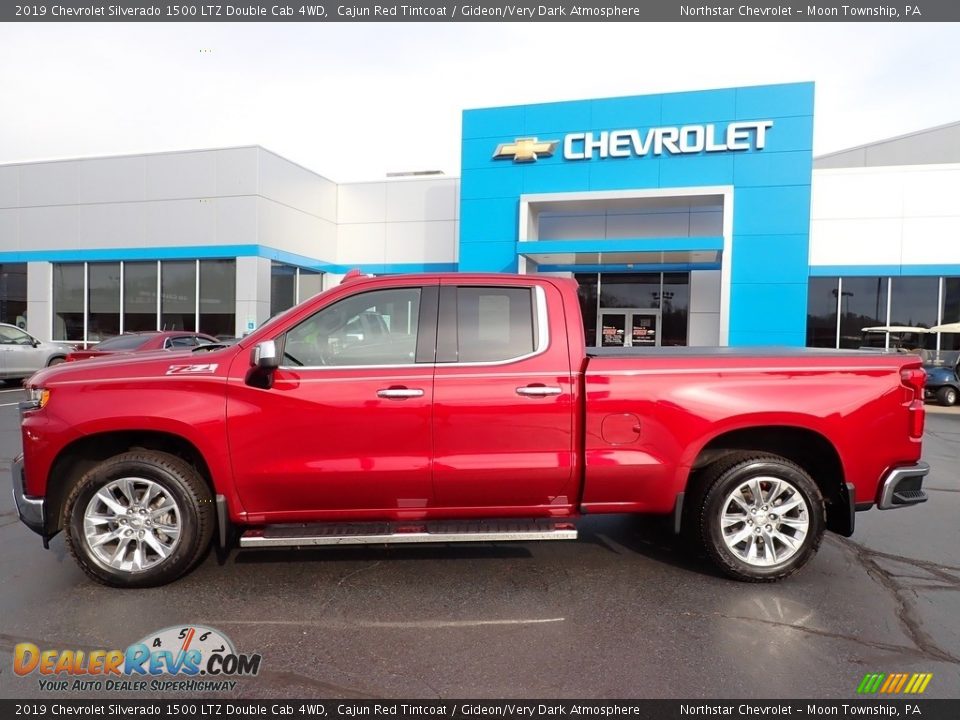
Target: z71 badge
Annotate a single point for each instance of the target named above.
(199, 369)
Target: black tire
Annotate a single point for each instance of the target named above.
(722, 479)
(56, 360)
(177, 478)
(947, 396)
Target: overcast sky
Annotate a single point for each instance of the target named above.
(353, 102)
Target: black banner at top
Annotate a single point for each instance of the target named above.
(481, 11)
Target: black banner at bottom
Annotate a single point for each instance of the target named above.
(921, 709)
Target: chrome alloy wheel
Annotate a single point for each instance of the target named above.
(131, 524)
(764, 521)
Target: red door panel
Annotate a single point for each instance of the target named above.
(503, 431)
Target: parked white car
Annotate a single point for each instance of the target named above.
(21, 354)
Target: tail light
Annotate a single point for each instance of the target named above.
(913, 379)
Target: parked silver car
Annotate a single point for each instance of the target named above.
(21, 354)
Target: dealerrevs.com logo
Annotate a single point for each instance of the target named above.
(175, 659)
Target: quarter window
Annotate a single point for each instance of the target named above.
(374, 328)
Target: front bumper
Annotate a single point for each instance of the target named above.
(32, 511)
(903, 486)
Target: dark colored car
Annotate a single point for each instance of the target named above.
(142, 342)
(943, 378)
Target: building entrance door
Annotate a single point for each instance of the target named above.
(628, 327)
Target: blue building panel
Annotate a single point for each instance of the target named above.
(696, 170)
(795, 99)
(770, 259)
(556, 117)
(762, 308)
(643, 111)
(771, 210)
(770, 182)
(688, 107)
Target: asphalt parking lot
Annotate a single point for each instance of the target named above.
(620, 613)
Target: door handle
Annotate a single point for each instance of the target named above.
(539, 390)
(399, 393)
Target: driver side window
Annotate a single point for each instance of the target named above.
(14, 336)
(373, 328)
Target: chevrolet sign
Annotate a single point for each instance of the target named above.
(687, 139)
(683, 140)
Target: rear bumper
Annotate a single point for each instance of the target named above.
(32, 511)
(903, 486)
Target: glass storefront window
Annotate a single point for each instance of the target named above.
(822, 295)
(139, 296)
(913, 303)
(587, 292)
(674, 308)
(668, 292)
(863, 303)
(13, 294)
(951, 312)
(103, 301)
(69, 284)
(635, 290)
(283, 287)
(178, 281)
(310, 284)
(218, 292)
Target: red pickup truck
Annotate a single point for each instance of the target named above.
(454, 408)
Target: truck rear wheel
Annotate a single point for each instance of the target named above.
(139, 519)
(947, 396)
(760, 517)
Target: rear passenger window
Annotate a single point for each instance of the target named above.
(494, 324)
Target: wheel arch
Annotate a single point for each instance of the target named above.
(809, 449)
(83, 453)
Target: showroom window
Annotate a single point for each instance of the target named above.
(218, 293)
(822, 312)
(69, 292)
(950, 312)
(13, 294)
(178, 295)
(140, 296)
(910, 302)
(103, 301)
(290, 285)
(668, 292)
(93, 301)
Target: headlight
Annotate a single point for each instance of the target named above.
(38, 397)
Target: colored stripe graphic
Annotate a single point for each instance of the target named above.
(903, 680)
(894, 683)
(870, 683)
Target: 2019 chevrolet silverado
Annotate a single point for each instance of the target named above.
(457, 408)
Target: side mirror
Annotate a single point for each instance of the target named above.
(264, 356)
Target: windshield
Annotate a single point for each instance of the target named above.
(945, 358)
(122, 342)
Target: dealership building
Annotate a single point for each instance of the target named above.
(693, 218)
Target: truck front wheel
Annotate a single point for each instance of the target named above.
(139, 519)
(760, 517)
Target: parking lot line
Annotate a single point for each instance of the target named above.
(342, 624)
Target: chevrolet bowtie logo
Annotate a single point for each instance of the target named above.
(525, 149)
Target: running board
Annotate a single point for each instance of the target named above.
(378, 533)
